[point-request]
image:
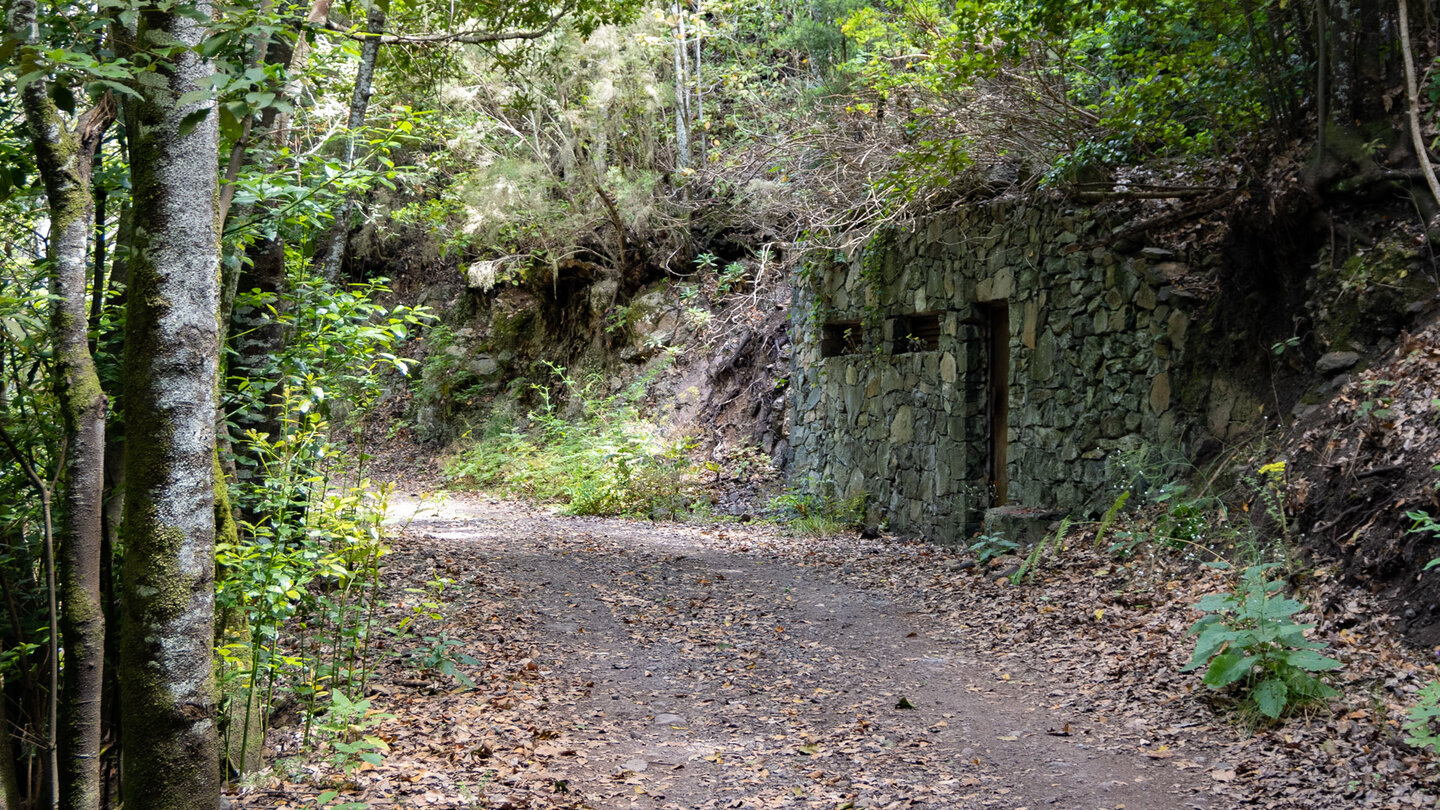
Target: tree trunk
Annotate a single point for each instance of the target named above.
(682, 94)
(257, 56)
(334, 247)
(257, 339)
(169, 695)
(112, 513)
(9, 781)
(1322, 83)
(65, 160)
(699, 93)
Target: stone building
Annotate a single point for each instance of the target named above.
(998, 354)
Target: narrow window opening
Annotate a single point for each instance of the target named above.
(997, 407)
(916, 333)
(841, 337)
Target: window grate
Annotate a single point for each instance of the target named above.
(916, 333)
(841, 337)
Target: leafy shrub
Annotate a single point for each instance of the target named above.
(346, 724)
(318, 572)
(1249, 641)
(989, 546)
(309, 552)
(1422, 722)
(1185, 519)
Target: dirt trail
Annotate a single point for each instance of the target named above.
(678, 667)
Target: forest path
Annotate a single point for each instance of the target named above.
(628, 664)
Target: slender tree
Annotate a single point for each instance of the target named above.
(65, 160)
(168, 691)
(1412, 97)
(334, 255)
(682, 92)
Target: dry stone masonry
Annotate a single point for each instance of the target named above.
(997, 354)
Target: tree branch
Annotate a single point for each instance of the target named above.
(1146, 194)
(440, 37)
(1174, 217)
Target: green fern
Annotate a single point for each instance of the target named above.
(1109, 517)
(1037, 554)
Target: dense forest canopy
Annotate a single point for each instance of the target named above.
(185, 187)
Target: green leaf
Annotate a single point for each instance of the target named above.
(28, 79)
(192, 97)
(1306, 686)
(1210, 642)
(1279, 608)
(342, 704)
(118, 87)
(192, 120)
(1215, 602)
(1311, 661)
(1270, 697)
(1227, 668)
(1292, 635)
(214, 45)
(64, 97)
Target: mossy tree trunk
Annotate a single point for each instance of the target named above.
(168, 690)
(65, 159)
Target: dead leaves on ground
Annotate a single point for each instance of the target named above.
(745, 707)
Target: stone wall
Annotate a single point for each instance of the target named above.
(1095, 338)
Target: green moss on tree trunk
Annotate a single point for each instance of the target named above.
(169, 699)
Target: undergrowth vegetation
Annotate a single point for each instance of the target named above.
(815, 509)
(1250, 646)
(603, 458)
(1422, 722)
(299, 583)
(597, 451)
